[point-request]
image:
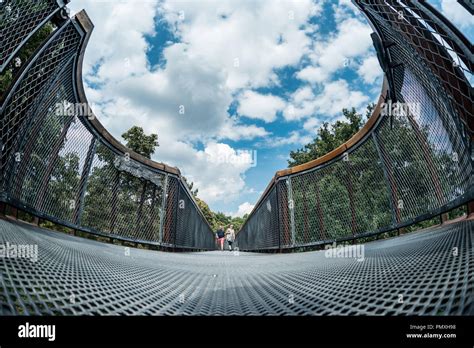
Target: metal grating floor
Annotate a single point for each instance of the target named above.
(75, 276)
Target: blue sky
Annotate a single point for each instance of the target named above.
(221, 81)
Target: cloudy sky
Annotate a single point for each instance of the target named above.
(231, 86)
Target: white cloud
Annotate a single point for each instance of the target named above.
(370, 69)
(217, 172)
(232, 130)
(328, 102)
(343, 9)
(244, 208)
(259, 106)
(254, 38)
(312, 124)
(351, 40)
(336, 96)
(294, 138)
(457, 14)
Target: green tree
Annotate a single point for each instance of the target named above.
(330, 137)
(207, 212)
(194, 190)
(139, 142)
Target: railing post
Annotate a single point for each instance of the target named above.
(291, 205)
(164, 202)
(176, 213)
(140, 209)
(350, 191)
(443, 217)
(278, 213)
(470, 209)
(320, 211)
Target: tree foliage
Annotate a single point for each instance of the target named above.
(330, 137)
(139, 142)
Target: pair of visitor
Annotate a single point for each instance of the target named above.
(228, 235)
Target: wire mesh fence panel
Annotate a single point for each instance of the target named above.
(437, 49)
(102, 185)
(185, 230)
(308, 215)
(262, 231)
(126, 202)
(59, 195)
(284, 214)
(416, 193)
(118, 203)
(171, 209)
(370, 193)
(440, 139)
(192, 231)
(44, 69)
(149, 214)
(431, 80)
(335, 201)
(31, 150)
(18, 19)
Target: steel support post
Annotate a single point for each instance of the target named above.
(291, 204)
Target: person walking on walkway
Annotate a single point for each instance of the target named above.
(220, 237)
(230, 236)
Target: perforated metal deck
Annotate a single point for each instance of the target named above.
(424, 270)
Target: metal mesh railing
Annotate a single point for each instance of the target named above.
(19, 19)
(57, 164)
(407, 166)
(414, 162)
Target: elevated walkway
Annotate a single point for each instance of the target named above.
(423, 273)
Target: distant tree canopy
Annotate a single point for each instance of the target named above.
(141, 143)
(330, 137)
